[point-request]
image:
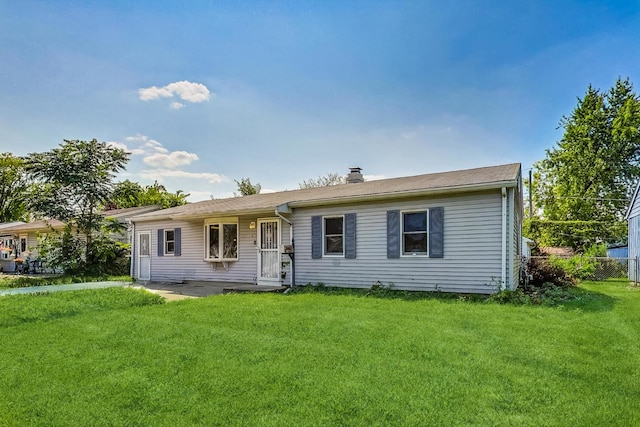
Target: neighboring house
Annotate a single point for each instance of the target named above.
(454, 232)
(618, 251)
(633, 224)
(527, 246)
(8, 245)
(562, 251)
(24, 236)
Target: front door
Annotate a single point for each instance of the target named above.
(144, 255)
(268, 251)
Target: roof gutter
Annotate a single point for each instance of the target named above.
(205, 215)
(133, 245)
(285, 209)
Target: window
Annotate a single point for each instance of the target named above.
(414, 233)
(23, 244)
(334, 235)
(169, 242)
(221, 239)
(6, 248)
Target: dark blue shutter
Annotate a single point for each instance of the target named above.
(316, 237)
(350, 236)
(161, 242)
(393, 234)
(177, 245)
(436, 232)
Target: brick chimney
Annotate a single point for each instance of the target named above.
(355, 176)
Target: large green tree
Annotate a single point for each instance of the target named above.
(246, 188)
(13, 188)
(129, 194)
(583, 186)
(323, 181)
(74, 181)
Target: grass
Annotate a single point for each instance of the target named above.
(20, 281)
(119, 357)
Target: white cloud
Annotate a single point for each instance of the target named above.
(138, 137)
(187, 91)
(166, 165)
(155, 146)
(197, 196)
(176, 105)
(171, 160)
(148, 143)
(160, 173)
(124, 147)
(119, 145)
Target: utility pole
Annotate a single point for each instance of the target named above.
(530, 202)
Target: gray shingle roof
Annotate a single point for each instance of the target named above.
(48, 224)
(434, 183)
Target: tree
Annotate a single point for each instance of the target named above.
(590, 176)
(129, 194)
(245, 188)
(74, 182)
(324, 181)
(13, 188)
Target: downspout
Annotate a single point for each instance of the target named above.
(132, 225)
(503, 280)
(292, 256)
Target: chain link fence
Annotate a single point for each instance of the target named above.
(600, 268)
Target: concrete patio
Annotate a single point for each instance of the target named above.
(198, 289)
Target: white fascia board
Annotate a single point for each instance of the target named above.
(631, 202)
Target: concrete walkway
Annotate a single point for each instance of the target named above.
(169, 291)
(197, 289)
(69, 287)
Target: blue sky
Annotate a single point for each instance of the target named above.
(205, 92)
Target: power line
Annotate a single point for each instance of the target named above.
(592, 198)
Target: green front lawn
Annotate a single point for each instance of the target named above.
(121, 357)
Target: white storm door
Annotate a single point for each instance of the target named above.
(144, 255)
(268, 251)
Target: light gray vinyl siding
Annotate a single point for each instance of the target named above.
(472, 247)
(634, 244)
(190, 265)
(634, 233)
(634, 211)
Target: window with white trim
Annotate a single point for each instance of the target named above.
(22, 247)
(6, 248)
(333, 231)
(415, 226)
(169, 242)
(221, 239)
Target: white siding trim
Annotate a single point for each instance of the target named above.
(503, 280)
(324, 237)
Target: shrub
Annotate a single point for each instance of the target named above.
(543, 273)
(578, 266)
(71, 254)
